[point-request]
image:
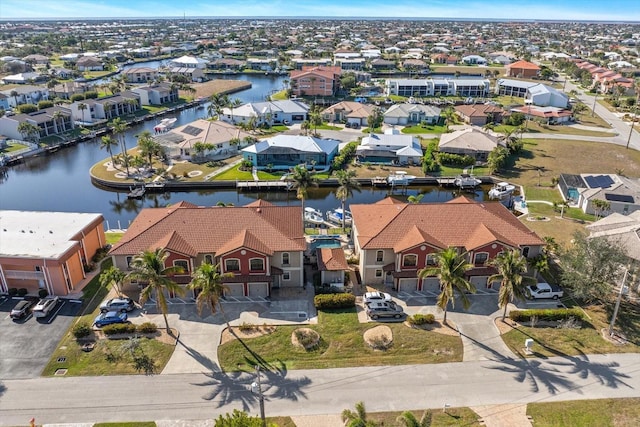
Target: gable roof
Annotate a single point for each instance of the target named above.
(332, 259)
(191, 230)
(524, 65)
(458, 223)
(351, 108)
(469, 139)
(301, 143)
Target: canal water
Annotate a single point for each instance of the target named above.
(61, 182)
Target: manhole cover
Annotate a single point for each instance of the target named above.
(62, 359)
(62, 371)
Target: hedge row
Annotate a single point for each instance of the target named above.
(421, 319)
(329, 301)
(129, 328)
(345, 156)
(552, 314)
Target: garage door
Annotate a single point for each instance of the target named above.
(480, 282)
(408, 285)
(235, 290)
(259, 290)
(431, 285)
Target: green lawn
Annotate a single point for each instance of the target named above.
(342, 345)
(533, 127)
(113, 238)
(453, 417)
(326, 126)
(13, 147)
(437, 129)
(586, 413)
(234, 174)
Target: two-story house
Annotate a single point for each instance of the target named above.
(320, 81)
(395, 240)
(260, 244)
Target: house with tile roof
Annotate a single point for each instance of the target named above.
(348, 111)
(320, 81)
(480, 114)
(286, 151)
(260, 244)
(394, 240)
(472, 141)
(410, 114)
(332, 264)
(522, 69)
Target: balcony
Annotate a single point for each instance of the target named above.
(24, 275)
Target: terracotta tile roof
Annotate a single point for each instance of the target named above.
(458, 223)
(480, 110)
(188, 229)
(244, 239)
(332, 259)
(524, 65)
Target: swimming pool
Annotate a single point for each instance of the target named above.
(327, 243)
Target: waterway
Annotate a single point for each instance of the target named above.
(61, 182)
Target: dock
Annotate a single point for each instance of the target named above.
(263, 185)
(446, 181)
(379, 180)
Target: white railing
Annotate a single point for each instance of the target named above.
(24, 275)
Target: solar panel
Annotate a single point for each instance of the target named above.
(192, 130)
(598, 181)
(618, 197)
(591, 181)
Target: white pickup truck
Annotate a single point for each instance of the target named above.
(544, 290)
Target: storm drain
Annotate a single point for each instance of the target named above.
(62, 359)
(60, 372)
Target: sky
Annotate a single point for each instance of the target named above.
(611, 10)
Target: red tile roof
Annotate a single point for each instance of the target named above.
(191, 230)
(332, 259)
(459, 223)
(524, 65)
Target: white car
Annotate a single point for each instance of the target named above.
(543, 291)
(376, 297)
(45, 306)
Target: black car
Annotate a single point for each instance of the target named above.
(22, 309)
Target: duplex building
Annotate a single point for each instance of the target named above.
(48, 121)
(158, 94)
(437, 87)
(140, 74)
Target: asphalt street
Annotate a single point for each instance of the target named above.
(325, 391)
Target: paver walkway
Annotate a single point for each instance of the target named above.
(507, 415)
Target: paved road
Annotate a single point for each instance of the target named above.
(326, 391)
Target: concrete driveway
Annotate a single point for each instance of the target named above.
(27, 344)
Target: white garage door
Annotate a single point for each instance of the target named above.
(408, 285)
(259, 290)
(480, 282)
(235, 290)
(431, 285)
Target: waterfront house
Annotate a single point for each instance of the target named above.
(437, 87)
(411, 114)
(272, 112)
(332, 265)
(261, 245)
(300, 63)
(312, 81)
(25, 94)
(48, 250)
(391, 147)
(49, 121)
(394, 240)
(36, 59)
(158, 94)
(474, 60)
(188, 61)
(348, 112)
(65, 90)
(24, 78)
(480, 114)
(522, 69)
(472, 141)
(287, 151)
(190, 73)
(89, 63)
(621, 193)
(140, 74)
(106, 108)
(221, 139)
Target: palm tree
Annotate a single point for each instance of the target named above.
(347, 183)
(148, 267)
(113, 276)
(217, 102)
(209, 282)
(233, 104)
(301, 179)
(15, 94)
(409, 420)
(414, 200)
(148, 146)
(107, 142)
(29, 131)
(357, 418)
(450, 270)
(82, 107)
(57, 116)
(511, 266)
(119, 129)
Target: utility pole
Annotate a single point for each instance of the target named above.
(256, 387)
(593, 110)
(615, 310)
(633, 122)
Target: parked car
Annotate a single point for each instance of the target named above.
(45, 306)
(117, 304)
(544, 290)
(376, 296)
(376, 310)
(109, 318)
(22, 309)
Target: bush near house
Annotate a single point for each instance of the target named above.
(421, 319)
(119, 328)
(333, 301)
(546, 314)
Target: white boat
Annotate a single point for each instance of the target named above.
(165, 125)
(501, 190)
(466, 180)
(400, 178)
(313, 216)
(335, 216)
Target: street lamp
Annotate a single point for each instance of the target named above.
(256, 387)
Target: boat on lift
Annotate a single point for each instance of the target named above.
(467, 180)
(501, 190)
(400, 178)
(313, 216)
(165, 125)
(337, 215)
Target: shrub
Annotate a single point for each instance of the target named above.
(12, 292)
(90, 95)
(45, 104)
(27, 108)
(76, 97)
(42, 293)
(380, 343)
(147, 328)
(307, 338)
(551, 315)
(81, 330)
(247, 327)
(421, 319)
(22, 292)
(329, 301)
(455, 159)
(119, 328)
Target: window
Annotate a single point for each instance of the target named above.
(129, 259)
(286, 276)
(525, 251)
(378, 273)
(232, 265)
(182, 264)
(432, 259)
(208, 259)
(410, 260)
(285, 258)
(256, 264)
(480, 258)
(379, 256)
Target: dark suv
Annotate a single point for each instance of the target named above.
(381, 309)
(22, 308)
(118, 304)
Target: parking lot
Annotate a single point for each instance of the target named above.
(27, 344)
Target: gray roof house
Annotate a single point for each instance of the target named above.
(389, 148)
(408, 114)
(622, 229)
(472, 141)
(622, 193)
(275, 111)
(286, 151)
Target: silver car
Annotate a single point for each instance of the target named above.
(45, 306)
(377, 310)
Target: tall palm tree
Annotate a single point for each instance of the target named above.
(15, 94)
(107, 142)
(409, 420)
(29, 131)
(209, 282)
(148, 146)
(233, 104)
(347, 183)
(119, 129)
(113, 276)
(301, 179)
(357, 418)
(148, 267)
(57, 116)
(82, 107)
(511, 266)
(450, 270)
